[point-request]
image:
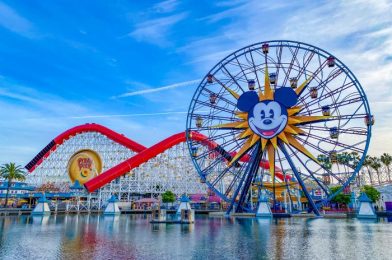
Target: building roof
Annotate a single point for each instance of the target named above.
(43, 199)
(15, 185)
(76, 186)
(364, 198)
(112, 199)
(184, 198)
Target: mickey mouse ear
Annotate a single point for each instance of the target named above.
(247, 101)
(286, 96)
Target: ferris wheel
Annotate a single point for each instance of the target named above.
(279, 113)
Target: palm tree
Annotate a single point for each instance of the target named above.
(324, 161)
(376, 165)
(366, 163)
(354, 159)
(386, 159)
(344, 159)
(10, 172)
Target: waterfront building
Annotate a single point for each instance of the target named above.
(18, 193)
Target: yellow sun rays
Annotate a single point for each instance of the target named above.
(271, 160)
(287, 136)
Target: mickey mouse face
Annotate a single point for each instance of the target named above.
(269, 117)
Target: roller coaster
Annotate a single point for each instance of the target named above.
(129, 170)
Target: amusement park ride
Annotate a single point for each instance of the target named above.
(273, 119)
(288, 103)
(164, 166)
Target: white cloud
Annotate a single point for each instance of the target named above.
(166, 6)
(245, 23)
(357, 32)
(12, 21)
(156, 31)
(21, 97)
(48, 103)
(115, 115)
(164, 88)
(31, 118)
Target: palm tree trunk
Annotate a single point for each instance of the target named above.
(370, 176)
(378, 177)
(389, 174)
(6, 195)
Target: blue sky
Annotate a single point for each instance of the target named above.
(134, 65)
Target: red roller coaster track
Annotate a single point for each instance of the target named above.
(143, 154)
(59, 140)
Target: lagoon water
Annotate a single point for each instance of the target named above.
(133, 237)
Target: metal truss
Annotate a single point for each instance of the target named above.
(369, 176)
(171, 170)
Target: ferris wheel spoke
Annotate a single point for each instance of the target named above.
(333, 74)
(210, 167)
(254, 165)
(287, 185)
(329, 95)
(316, 147)
(337, 105)
(305, 142)
(279, 62)
(353, 114)
(239, 64)
(305, 65)
(291, 65)
(255, 71)
(341, 130)
(299, 179)
(232, 78)
(231, 185)
(320, 64)
(235, 179)
(297, 49)
(299, 121)
(345, 146)
(215, 117)
(335, 175)
(321, 85)
(216, 107)
(309, 171)
(222, 174)
(223, 136)
(348, 117)
(223, 153)
(242, 66)
(245, 181)
(221, 98)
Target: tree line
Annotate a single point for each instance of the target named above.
(376, 168)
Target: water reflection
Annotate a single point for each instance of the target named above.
(43, 220)
(133, 237)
